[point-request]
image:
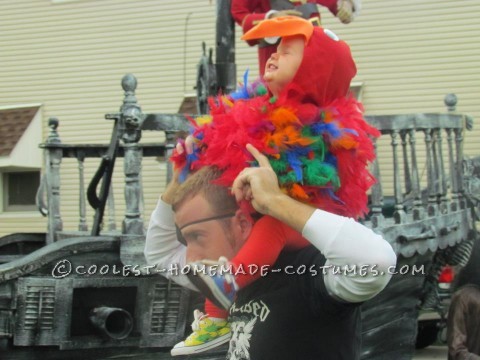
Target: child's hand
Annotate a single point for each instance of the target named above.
(182, 146)
(188, 145)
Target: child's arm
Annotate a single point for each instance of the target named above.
(268, 238)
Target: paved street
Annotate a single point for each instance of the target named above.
(431, 353)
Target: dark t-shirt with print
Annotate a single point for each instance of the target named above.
(284, 316)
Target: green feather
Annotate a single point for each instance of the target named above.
(279, 165)
(318, 173)
(306, 131)
(261, 90)
(288, 178)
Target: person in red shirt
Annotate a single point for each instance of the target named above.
(247, 13)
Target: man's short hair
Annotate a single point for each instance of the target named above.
(203, 182)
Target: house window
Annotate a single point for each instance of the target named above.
(20, 160)
(19, 190)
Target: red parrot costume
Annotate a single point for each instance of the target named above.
(314, 135)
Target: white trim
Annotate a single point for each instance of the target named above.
(26, 153)
(270, 13)
(358, 85)
(19, 106)
(20, 214)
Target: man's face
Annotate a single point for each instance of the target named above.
(282, 66)
(207, 239)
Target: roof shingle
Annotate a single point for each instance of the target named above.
(13, 123)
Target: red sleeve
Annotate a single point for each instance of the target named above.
(247, 13)
(267, 239)
(330, 4)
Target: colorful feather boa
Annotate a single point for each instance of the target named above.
(319, 154)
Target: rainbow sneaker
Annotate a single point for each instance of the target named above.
(215, 280)
(207, 334)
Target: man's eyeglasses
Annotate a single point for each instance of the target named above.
(218, 217)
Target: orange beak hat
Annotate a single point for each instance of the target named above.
(280, 27)
(327, 66)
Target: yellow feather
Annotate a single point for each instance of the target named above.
(203, 120)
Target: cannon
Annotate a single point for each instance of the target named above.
(113, 323)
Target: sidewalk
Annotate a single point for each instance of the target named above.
(431, 353)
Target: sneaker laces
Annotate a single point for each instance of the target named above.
(198, 316)
(228, 275)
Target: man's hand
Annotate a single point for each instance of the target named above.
(260, 186)
(257, 184)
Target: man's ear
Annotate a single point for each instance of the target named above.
(245, 223)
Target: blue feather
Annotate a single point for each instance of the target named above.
(330, 129)
(295, 163)
(331, 194)
(300, 150)
(190, 159)
(351, 131)
(183, 174)
(331, 159)
(199, 136)
(242, 93)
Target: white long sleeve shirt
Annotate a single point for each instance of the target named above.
(344, 242)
